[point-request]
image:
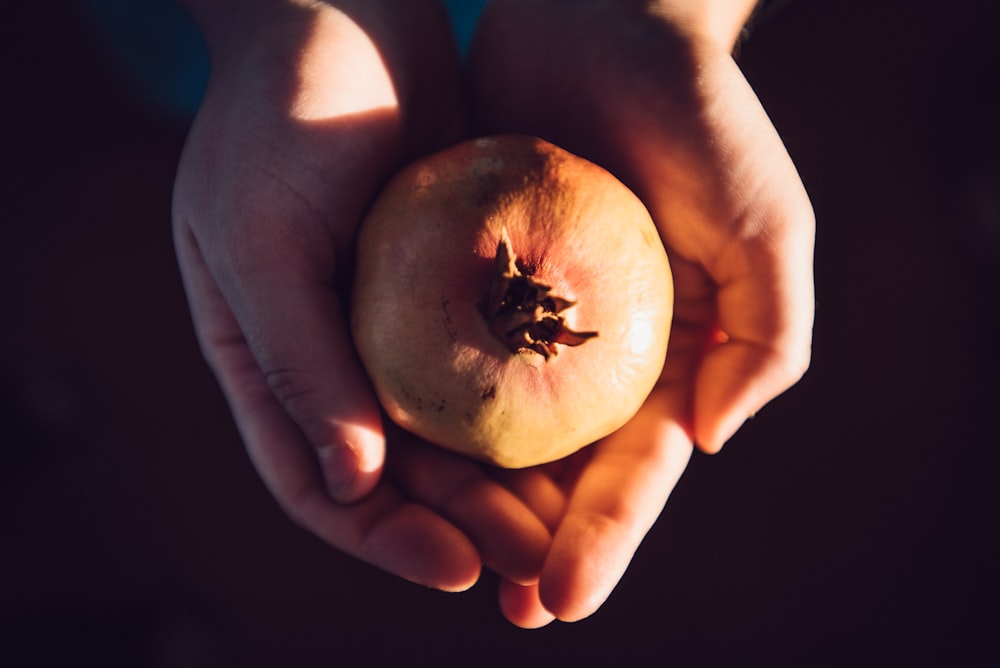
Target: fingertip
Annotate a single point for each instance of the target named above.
(575, 611)
(352, 465)
(736, 381)
(522, 607)
(460, 583)
(415, 543)
(709, 447)
(588, 559)
(714, 432)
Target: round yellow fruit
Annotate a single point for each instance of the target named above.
(511, 302)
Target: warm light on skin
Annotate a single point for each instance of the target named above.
(341, 72)
(719, 21)
(361, 442)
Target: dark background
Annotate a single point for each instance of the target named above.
(852, 523)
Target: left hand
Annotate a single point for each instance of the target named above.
(311, 107)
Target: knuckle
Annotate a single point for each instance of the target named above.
(292, 390)
(300, 398)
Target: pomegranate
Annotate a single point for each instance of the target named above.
(511, 302)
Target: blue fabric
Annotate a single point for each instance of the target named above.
(158, 50)
(464, 16)
(161, 54)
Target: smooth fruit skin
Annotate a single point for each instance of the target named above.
(425, 260)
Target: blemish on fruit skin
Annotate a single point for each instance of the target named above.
(419, 404)
(488, 393)
(425, 178)
(651, 236)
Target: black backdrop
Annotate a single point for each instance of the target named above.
(851, 523)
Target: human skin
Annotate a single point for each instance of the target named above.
(650, 91)
(311, 106)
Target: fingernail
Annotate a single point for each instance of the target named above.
(339, 465)
(351, 468)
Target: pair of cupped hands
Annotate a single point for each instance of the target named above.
(312, 106)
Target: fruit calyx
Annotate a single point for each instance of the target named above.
(522, 312)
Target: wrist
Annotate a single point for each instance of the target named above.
(718, 23)
(262, 33)
(225, 24)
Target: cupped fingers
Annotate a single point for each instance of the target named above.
(765, 302)
(616, 500)
(735, 381)
(511, 538)
(522, 606)
(383, 528)
(538, 490)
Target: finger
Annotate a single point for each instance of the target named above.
(291, 320)
(762, 264)
(512, 540)
(401, 537)
(615, 502)
(538, 491)
(765, 314)
(730, 201)
(521, 605)
(383, 529)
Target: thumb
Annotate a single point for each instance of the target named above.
(293, 325)
(766, 316)
(298, 336)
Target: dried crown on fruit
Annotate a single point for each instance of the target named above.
(522, 312)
